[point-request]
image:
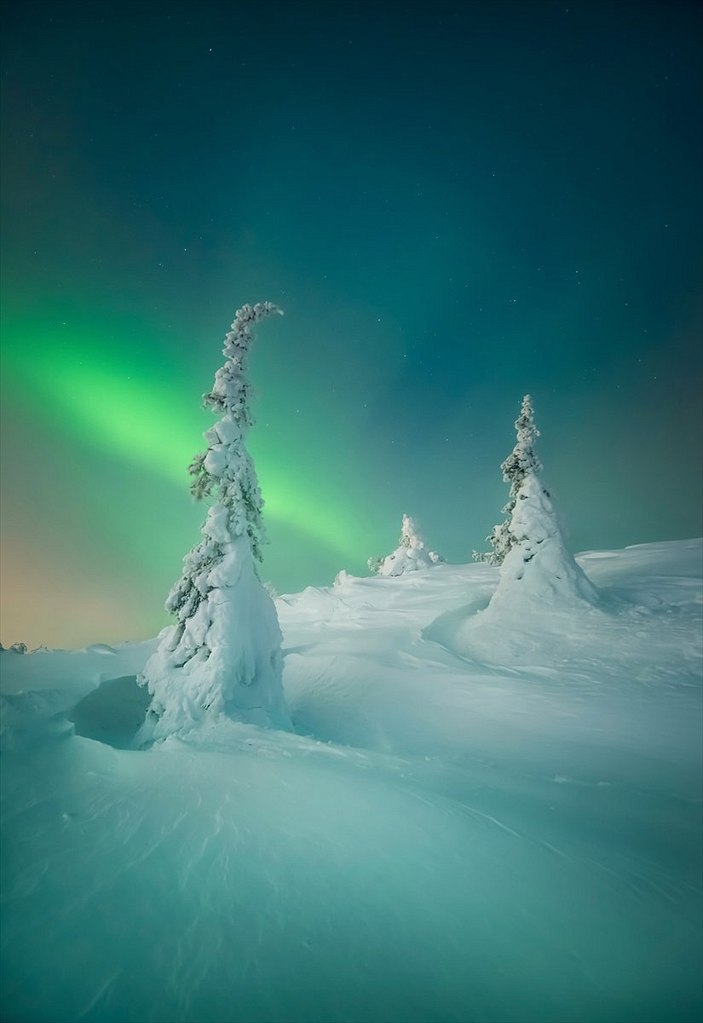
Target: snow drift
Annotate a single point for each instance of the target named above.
(448, 837)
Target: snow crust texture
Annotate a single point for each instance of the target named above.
(504, 831)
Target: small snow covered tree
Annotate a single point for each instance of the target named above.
(500, 540)
(521, 460)
(223, 657)
(410, 555)
(536, 564)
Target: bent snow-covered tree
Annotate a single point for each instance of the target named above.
(223, 657)
(410, 555)
(535, 564)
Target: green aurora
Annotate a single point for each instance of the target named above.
(105, 396)
(453, 203)
(108, 397)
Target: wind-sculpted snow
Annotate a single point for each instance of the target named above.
(507, 833)
(38, 691)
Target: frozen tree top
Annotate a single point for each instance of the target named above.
(230, 391)
(523, 458)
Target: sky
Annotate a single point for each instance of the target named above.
(454, 204)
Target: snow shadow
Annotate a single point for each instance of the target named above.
(112, 713)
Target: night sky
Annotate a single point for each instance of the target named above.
(454, 203)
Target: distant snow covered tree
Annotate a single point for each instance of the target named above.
(535, 563)
(410, 555)
(521, 460)
(223, 657)
(500, 540)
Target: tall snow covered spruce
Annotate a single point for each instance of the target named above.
(536, 565)
(521, 460)
(223, 657)
(410, 555)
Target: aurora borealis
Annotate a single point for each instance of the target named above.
(454, 203)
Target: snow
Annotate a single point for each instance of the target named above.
(501, 825)
(538, 569)
(520, 463)
(223, 658)
(411, 554)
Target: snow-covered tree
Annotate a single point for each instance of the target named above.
(535, 564)
(521, 460)
(410, 555)
(500, 540)
(223, 657)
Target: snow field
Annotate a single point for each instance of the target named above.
(467, 826)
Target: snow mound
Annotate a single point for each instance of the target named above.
(101, 648)
(411, 555)
(538, 570)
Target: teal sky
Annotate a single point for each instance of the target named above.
(454, 203)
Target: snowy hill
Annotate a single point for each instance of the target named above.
(480, 818)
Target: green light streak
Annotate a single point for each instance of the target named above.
(122, 401)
